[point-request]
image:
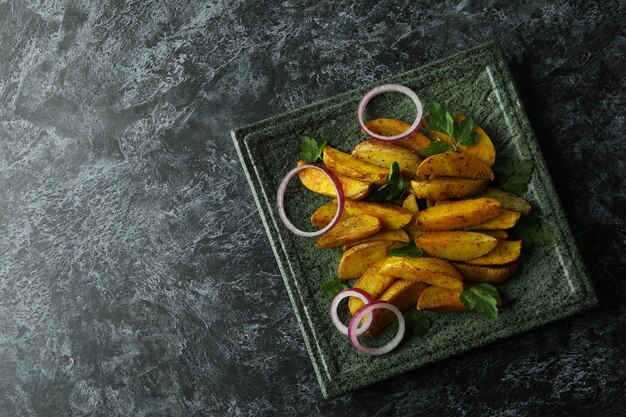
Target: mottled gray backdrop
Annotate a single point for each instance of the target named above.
(135, 277)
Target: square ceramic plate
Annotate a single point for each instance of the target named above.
(550, 285)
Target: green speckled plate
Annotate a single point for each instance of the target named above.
(550, 285)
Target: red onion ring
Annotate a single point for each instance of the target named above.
(281, 196)
(358, 316)
(384, 89)
(361, 295)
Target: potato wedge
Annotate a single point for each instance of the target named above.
(483, 149)
(508, 201)
(392, 127)
(373, 283)
(505, 252)
(410, 203)
(357, 259)
(384, 154)
(390, 235)
(498, 234)
(345, 164)
(391, 216)
(317, 182)
(455, 164)
(440, 299)
(458, 215)
(444, 188)
(491, 274)
(455, 246)
(431, 271)
(402, 294)
(505, 220)
(349, 230)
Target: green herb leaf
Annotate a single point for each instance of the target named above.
(416, 323)
(513, 176)
(394, 189)
(434, 148)
(534, 231)
(411, 250)
(464, 132)
(311, 149)
(333, 287)
(482, 298)
(440, 119)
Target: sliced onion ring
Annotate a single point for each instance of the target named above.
(370, 308)
(385, 89)
(281, 196)
(361, 295)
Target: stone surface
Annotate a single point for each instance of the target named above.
(135, 276)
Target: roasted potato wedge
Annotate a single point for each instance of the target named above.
(402, 294)
(373, 283)
(505, 220)
(483, 149)
(498, 234)
(440, 299)
(410, 203)
(454, 245)
(505, 252)
(455, 164)
(357, 259)
(317, 182)
(458, 215)
(491, 274)
(393, 235)
(444, 188)
(392, 127)
(345, 164)
(391, 216)
(384, 154)
(508, 201)
(349, 230)
(431, 271)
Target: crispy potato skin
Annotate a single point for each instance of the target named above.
(455, 164)
(483, 149)
(391, 216)
(402, 294)
(431, 271)
(491, 274)
(345, 164)
(410, 203)
(349, 230)
(508, 201)
(384, 154)
(458, 215)
(440, 299)
(373, 283)
(394, 235)
(444, 188)
(505, 220)
(356, 260)
(317, 182)
(455, 245)
(507, 251)
(392, 127)
(498, 234)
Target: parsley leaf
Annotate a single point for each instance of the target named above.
(441, 120)
(513, 176)
(482, 298)
(434, 148)
(534, 231)
(464, 132)
(395, 188)
(410, 250)
(311, 149)
(333, 287)
(417, 323)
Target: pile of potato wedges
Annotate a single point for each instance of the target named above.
(458, 222)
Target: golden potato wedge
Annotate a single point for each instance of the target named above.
(393, 235)
(431, 271)
(483, 149)
(391, 216)
(402, 294)
(317, 182)
(491, 274)
(373, 283)
(410, 203)
(505, 252)
(384, 154)
(349, 230)
(498, 234)
(444, 188)
(392, 127)
(458, 215)
(505, 220)
(440, 299)
(455, 246)
(345, 164)
(357, 259)
(508, 201)
(455, 164)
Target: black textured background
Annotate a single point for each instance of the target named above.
(135, 276)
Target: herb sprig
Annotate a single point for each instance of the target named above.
(394, 189)
(482, 298)
(333, 287)
(460, 132)
(311, 149)
(410, 250)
